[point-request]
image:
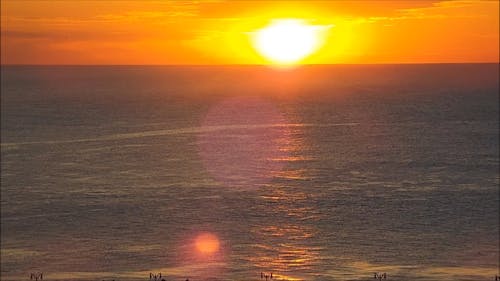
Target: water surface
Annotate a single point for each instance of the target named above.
(315, 173)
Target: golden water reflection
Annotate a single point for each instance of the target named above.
(284, 249)
(287, 249)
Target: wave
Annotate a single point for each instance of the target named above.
(167, 132)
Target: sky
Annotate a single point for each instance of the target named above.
(220, 32)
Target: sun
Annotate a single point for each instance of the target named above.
(287, 41)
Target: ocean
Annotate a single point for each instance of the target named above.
(324, 172)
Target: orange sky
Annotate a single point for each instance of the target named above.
(217, 32)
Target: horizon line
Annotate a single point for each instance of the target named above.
(267, 65)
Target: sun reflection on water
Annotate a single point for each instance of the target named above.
(285, 251)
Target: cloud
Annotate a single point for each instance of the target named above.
(442, 9)
(139, 16)
(70, 35)
(439, 10)
(21, 34)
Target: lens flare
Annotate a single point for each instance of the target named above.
(242, 142)
(207, 243)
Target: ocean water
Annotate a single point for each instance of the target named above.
(312, 173)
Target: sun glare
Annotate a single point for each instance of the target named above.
(287, 41)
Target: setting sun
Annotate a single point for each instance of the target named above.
(287, 41)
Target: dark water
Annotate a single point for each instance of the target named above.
(314, 173)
